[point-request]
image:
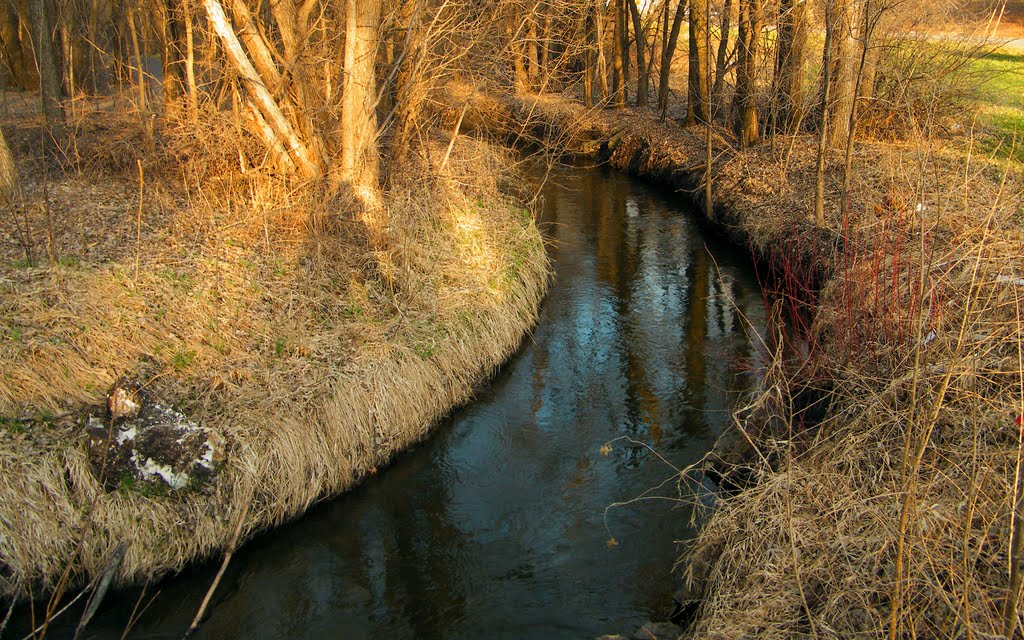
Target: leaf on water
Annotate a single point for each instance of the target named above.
(605, 450)
(612, 543)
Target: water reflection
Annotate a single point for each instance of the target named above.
(495, 527)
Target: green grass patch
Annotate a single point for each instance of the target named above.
(1000, 94)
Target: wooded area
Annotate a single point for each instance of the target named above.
(334, 89)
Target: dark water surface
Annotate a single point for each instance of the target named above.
(495, 527)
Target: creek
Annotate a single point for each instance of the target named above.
(499, 525)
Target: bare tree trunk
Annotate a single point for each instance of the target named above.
(819, 191)
(172, 58)
(13, 53)
(619, 70)
(602, 63)
(788, 81)
(641, 62)
(190, 62)
(10, 183)
(544, 46)
(667, 53)
(284, 134)
(697, 93)
(841, 74)
(722, 59)
(359, 130)
(589, 57)
(744, 109)
(867, 29)
(41, 15)
(520, 79)
(532, 51)
(140, 84)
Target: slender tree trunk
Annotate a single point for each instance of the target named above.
(843, 65)
(13, 54)
(788, 81)
(866, 32)
(41, 16)
(697, 94)
(618, 55)
(819, 191)
(722, 58)
(667, 54)
(532, 51)
(589, 56)
(641, 62)
(359, 130)
(544, 46)
(744, 109)
(602, 62)
(172, 56)
(520, 79)
(190, 62)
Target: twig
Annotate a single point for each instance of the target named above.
(51, 617)
(220, 572)
(7, 618)
(138, 223)
(101, 588)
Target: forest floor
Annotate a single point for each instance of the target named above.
(314, 337)
(882, 465)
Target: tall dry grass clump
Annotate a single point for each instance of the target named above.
(899, 513)
(316, 337)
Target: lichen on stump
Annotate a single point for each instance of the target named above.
(143, 444)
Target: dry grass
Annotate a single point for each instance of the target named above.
(316, 341)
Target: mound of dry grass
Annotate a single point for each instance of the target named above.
(316, 339)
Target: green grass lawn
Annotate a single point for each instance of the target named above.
(1000, 95)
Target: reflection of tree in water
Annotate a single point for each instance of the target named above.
(623, 262)
(421, 572)
(696, 333)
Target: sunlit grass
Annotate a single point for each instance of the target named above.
(1000, 95)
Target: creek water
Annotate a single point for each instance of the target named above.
(498, 526)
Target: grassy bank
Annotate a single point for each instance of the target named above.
(894, 510)
(315, 337)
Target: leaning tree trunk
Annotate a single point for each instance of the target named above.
(359, 130)
(697, 93)
(788, 82)
(744, 108)
(50, 86)
(278, 132)
(667, 53)
(641, 63)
